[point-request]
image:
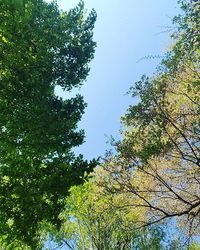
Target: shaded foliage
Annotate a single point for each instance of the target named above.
(41, 47)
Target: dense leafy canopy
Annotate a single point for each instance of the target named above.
(41, 47)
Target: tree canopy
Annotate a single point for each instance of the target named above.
(46, 191)
(93, 219)
(158, 159)
(154, 175)
(41, 47)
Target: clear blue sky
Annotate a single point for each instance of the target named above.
(125, 31)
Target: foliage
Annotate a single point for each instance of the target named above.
(155, 174)
(158, 160)
(95, 220)
(186, 36)
(194, 246)
(41, 47)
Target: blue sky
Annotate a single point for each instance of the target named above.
(125, 31)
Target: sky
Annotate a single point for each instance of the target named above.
(125, 31)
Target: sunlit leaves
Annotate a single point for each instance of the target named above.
(40, 47)
(158, 159)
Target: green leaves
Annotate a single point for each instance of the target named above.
(40, 47)
(157, 161)
(95, 219)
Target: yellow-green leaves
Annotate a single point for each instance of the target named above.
(97, 219)
(3, 39)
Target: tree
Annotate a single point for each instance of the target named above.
(158, 160)
(41, 47)
(98, 221)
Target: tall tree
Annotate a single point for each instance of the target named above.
(41, 47)
(158, 160)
